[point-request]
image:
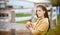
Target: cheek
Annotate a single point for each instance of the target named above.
(40, 13)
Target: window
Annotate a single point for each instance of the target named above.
(3, 15)
(1, 0)
(2, 6)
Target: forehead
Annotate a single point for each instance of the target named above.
(38, 8)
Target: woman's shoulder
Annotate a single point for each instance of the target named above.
(44, 20)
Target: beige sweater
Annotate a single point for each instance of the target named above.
(41, 27)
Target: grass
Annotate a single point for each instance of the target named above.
(22, 15)
(22, 22)
(58, 19)
(35, 19)
(55, 31)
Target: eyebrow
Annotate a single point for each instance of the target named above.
(38, 10)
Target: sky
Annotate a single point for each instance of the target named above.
(20, 3)
(25, 4)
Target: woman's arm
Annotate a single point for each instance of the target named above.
(29, 24)
(43, 27)
(34, 32)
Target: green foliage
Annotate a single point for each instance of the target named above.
(22, 22)
(55, 2)
(58, 19)
(56, 30)
(22, 15)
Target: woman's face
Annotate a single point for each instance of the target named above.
(39, 12)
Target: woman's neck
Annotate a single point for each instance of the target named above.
(41, 17)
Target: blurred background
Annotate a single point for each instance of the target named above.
(14, 14)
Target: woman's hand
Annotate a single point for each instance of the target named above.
(29, 25)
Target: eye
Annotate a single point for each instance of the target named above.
(39, 10)
(36, 10)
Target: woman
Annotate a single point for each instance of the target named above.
(42, 24)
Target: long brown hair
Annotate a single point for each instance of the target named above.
(45, 14)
